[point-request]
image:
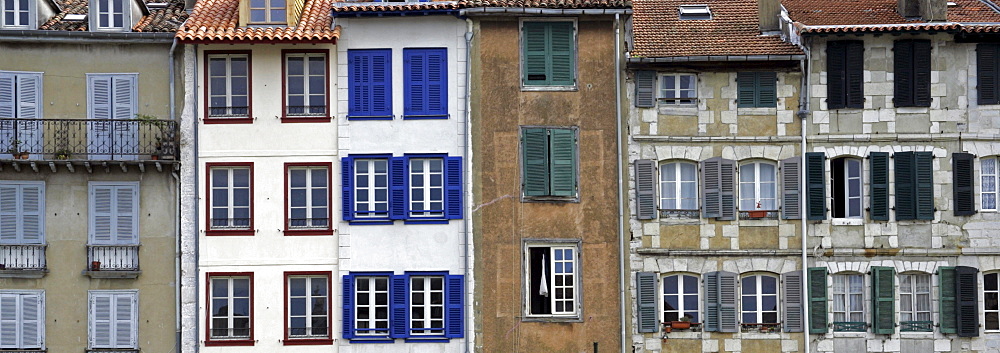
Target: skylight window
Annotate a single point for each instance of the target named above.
(695, 12)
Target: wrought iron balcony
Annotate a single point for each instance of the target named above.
(916, 326)
(761, 328)
(88, 139)
(850, 326)
(687, 214)
(22, 257)
(760, 214)
(113, 261)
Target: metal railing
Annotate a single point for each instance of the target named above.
(308, 223)
(850, 326)
(113, 257)
(693, 214)
(228, 112)
(916, 326)
(88, 139)
(306, 110)
(761, 328)
(22, 257)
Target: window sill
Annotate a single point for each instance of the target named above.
(223, 343)
(377, 117)
(305, 119)
(425, 221)
(677, 109)
(757, 111)
(847, 221)
(371, 340)
(912, 110)
(299, 232)
(308, 342)
(923, 334)
(426, 339)
(541, 88)
(848, 334)
(246, 120)
(551, 319)
(34, 274)
(760, 336)
(560, 199)
(426, 117)
(109, 274)
(373, 222)
(229, 232)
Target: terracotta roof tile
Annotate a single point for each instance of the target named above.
(552, 4)
(733, 30)
(159, 19)
(217, 21)
(396, 6)
(843, 16)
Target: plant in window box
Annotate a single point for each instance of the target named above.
(63, 154)
(16, 151)
(758, 213)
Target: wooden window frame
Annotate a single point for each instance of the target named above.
(328, 230)
(305, 118)
(208, 54)
(312, 340)
(577, 286)
(209, 341)
(209, 231)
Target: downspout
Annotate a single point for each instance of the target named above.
(803, 114)
(467, 160)
(177, 206)
(621, 203)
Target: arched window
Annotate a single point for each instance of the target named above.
(846, 187)
(915, 302)
(758, 186)
(759, 299)
(680, 297)
(678, 186)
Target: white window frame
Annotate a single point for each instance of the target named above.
(17, 211)
(18, 320)
(230, 316)
(14, 7)
(115, 217)
(229, 78)
(677, 184)
(847, 180)
(996, 291)
(908, 287)
(426, 177)
(230, 206)
(846, 296)
(759, 296)
(310, 203)
(553, 279)
(427, 308)
(372, 321)
(371, 190)
(755, 183)
(681, 309)
(306, 87)
(268, 13)
(115, 321)
(661, 91)
(309, 298)
(97, 10)
(989, 175)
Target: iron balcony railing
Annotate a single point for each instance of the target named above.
(22, 257)
(88, 139)
(760, 327)
(916, 326)
(113, 257)
(676, 213)
(850, 326)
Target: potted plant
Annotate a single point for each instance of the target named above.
(757, 213)
(15, 150)
(63, 154)
(683, 324)
(95, 265)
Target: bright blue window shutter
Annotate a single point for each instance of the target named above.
(397, 187)
(381, 77)
(358, 89)
(347, 326)
(347, 186)
(453, 187)
(425, 77)
(454, 321)
(398, 321)
(369, 83)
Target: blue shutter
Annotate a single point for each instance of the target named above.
(453, 187)
(398, 318)
(347, 187)
(398, 177)
(347, 319)
(454, 321)
(369, 74)
(425, 77)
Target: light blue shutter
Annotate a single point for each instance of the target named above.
(102, 214)
(453, 188)
(114, 213)
(124, 320)
(347, 310)
(562, 162)
(455, 306)
(32, 319)
(29, 106)
(100, 320)
(398, 181)
(399, 318)
(99, 103)
(126, 133)
(9, 325)
(426, 81)
(32, 218)
(126, 214)
(347, 188)
(9, 214)
(7, 109)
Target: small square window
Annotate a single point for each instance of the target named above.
(267, 12)
(678, 89)
(17, 14)
(110, 15)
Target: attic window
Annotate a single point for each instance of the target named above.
(157, 5)
(695, 12)
(75, 17)
(952, 4)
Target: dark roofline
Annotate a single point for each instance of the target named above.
(36, 36)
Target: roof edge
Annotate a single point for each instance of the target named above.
(717, 58)
(85, 36)
(517, 11)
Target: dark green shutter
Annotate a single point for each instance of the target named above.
(562, 159)
(727, 190)
(711, 291)
(815, 185)
(987, 55)
(879, 165)
(535, 51)
(855, 74)
(746, 89)
(548, 53)
(791, 206)
(902, 52)
(967, 295)
(561, 46)
(817, 300)
(645, 89)
(645, 293)
(645, 189)
(947, 305)
(962, 183)
(767, 90)
(756, 89)
(883, 300)
(922, 73)
(905, 174)
(711, 195)
(792, 310)
(836, 77)
(924, 184)
(535, 153)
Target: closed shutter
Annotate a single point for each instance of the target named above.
(767, 90)
(113, 320)
(455, 311)
(9, 324)
(727, 190)
(548, 53)
(32, 320)
(453, 188)
(711, 188)
(561, 47)
(879, 203)
(7, 105)
(922, 73)
(855, 74)
(727, 302)
(987, 55)
(645, 189)
(645, 292)
(22, 320)
(370, 83)
(645, 89)
(113, 214)
(815, 185)
(792, 309)
(902, 52)
(32, 220)
(347, 309)
(924, 184)
(790, 195)
(347, 188)
(535, 156)
(905, 199)
(124, 321)
(817, 300)
(836, 74)
(962, 183)
(437, 82)
(100, 320)
(99, 140)
(562, 149)
(398, 180)
(883, 300)
(126, 214)
(398, 320)
(746, 89)
(426, 81)
(712, 303)
(535, 54)
(967, 295)
(947, 305)
(29, 96)
(9, 214)
(124, 102)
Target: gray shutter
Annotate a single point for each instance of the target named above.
(727, 189)
(100, 320)
(101, 215)
(124, 320)
(711, 289)
(790, 200)
(32, 220)
(645, 89)
(645, 189)
(7, 97)
(9, 214)
(711, 187)
(792, 309)
(727, 302)
(32, 320)
(9, 325)
(126, 214)
(645, 292)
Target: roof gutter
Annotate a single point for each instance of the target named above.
(518, 11)
(704, 58)
(76, 37)
(950, 27)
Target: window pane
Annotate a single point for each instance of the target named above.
(687, 82)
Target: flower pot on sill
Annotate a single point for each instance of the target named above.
(95, 265)
(23, 155)
(680, 325)
(757, 214)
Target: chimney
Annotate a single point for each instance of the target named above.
(926, 10)
(767, 14)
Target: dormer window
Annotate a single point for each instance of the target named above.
(268, 12)
(17, 14)
(110, 15)
(695, 12)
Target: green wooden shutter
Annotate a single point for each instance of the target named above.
(562, 160)
(645, 88)
(902, 74)
(923, 167)
(836, 75)
(535, 157)
(791, 205)
(817, 300)
(548, 53)
(855, 74)
(710, 188)
(879, 202)
(746, 89)
(535, 54)
(967, 295)
(711, 290)
(883, 300)
(922, 73)
(986, 72)
(905, 199)
(962, 183)
(947, 312)
(645, 189)
(561, 45)
(815, 185)
(645, 292)
(792, 309)
(767, 90)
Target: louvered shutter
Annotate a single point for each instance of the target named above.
(426, 82)
(645, 89)
(883, 300)
(399, 321)
(967, 295)
(535, 44)
(359, 90)
(453, 188)
(792, 309)
(645, 292)
(100, 320)
(903, 73)
(816, 185)
(125, 134)
(711, 284)
(645, 189)
(535, 150)
(9, 325)
(727, 302)
(32, 320)
(124, 97)
(711, 194)
(962, 183)
(790, 195)
(124, 320)
(922, 73)
(562, 160)
(746, 89)
(370, 83)
(561, 46)
(102, 215)
(100, 108)
(879, 202)
(32, 219)
(347, 188)
(987, 55)
(817, 300)
(947, 304)
(9, 214)
(29, 96)
(126, 214)
(905, 199)
(381, 83)
(7, 105)
(347, 309)
(855, 74)
(455, 311)
(398, 181)
(767, 90)
(923, 167)
(437, 82)
(727, 190)
(836, 75)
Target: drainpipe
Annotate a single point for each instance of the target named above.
(467, 160)
(177, 206)
(803, 114)
(621, 203)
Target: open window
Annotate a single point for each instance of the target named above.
(553, 282)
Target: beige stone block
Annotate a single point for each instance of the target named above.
(761, 346)
(819, 91)
(680, 236)
(675, 125)
(757, 125)
(759, 238)
(939, 90)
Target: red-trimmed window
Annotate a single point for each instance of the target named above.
(307, 199)
(305, 86)
(307, 308)
(230, 309)
(230, 198)
(227, 87)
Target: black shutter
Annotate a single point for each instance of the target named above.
(922, 73)
(645, 89)
(879, 165)
(815, 186)
(902, 52)
(905, 199)
(923, 186)
(855, 55)
(967, 296)
(835, 74)
(986, 67)
(962, 183)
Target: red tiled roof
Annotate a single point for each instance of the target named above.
(845, 16)
(159, 19)
(396, 6)
(552, 4)
(217, 21)
(733, 30)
